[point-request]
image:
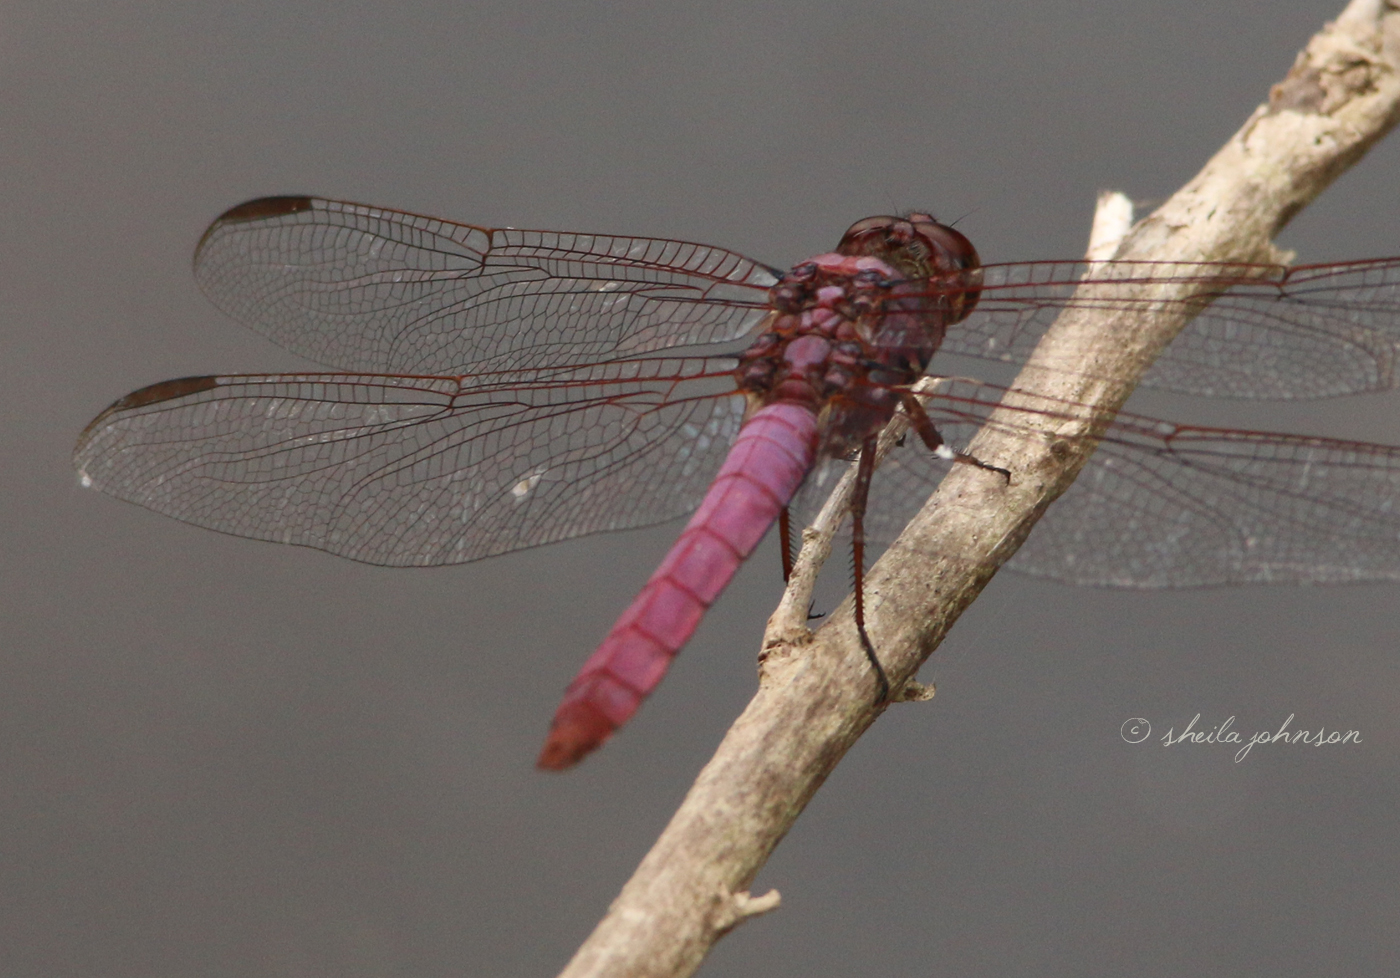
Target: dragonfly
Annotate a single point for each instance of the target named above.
(498, 389)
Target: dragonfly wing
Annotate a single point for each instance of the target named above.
(371, 289)
(415, 470)
(1163, 505)
(1166, 505)
(1269, 331)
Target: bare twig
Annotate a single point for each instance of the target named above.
(788, 624)
(815, 696)
(1113, 219)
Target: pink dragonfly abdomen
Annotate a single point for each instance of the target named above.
(771, 456)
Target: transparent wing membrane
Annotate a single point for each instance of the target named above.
(1169, 505)
(369, 289)
(403, 470)
(511, 388)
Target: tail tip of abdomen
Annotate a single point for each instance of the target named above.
(578, 729)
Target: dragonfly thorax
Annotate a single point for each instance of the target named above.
(846, 333)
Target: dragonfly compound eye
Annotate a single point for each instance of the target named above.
(953, 265)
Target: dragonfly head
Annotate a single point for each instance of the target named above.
(921, 248)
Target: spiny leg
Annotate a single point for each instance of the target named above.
(929, 433)
(785, 540)
(860, 494)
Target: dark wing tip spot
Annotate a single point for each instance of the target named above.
(166, 390)
(255, 210)
(264, 207)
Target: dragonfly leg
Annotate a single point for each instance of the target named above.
(928, 432)
(785, 541)
(861, 492)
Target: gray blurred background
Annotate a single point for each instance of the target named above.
(226, 758)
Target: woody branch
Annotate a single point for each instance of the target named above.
(815, 698)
